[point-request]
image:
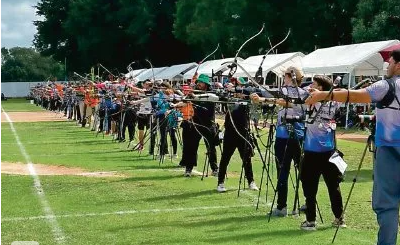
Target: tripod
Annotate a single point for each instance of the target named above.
(206, 160)
(281, 167)
(207, 144)
(293, 137)
(167, 127)
(370, 145)
(265, 167)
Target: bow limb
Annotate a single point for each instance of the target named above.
(152, 70)
(106, 70)
(234, 63)
(233, 66)
(259, 72)
(204, 59)
(248, 40)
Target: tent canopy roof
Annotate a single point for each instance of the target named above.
(360, 59)
(175, 71)
(208, 67)
(134, 73)
(148, 74)
(276, 63)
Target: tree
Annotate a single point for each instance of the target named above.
(376, 20)
(51, 38)
(205, 23)
(110, 32)
(313, 23)
(25, 64)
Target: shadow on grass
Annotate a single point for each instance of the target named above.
(294, 233)
(182, 195)
(240, 235)
(121, 159)
(150, 178)
(145, 167)
(365, 175)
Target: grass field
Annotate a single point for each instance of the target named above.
(19, 104)
(145, 203)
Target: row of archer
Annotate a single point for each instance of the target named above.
(316, 162)
(156, 110)
(200, 123)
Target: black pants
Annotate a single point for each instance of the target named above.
(286, 150)
(191, 139)
(172, 133)
(163, 123)
(316, 164)
(77, 112)
(102, 114)
(115, 115)
(65, 108)
(153, 132)
(129, 120)
(232, 141)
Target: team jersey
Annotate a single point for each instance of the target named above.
(320, 134)
(387, 120)
(295, 112)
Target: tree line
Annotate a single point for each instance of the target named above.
(116, 32)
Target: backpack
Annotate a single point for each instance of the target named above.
(389, 97)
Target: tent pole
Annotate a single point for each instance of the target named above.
(348, 104)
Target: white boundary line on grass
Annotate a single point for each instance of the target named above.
(168, 210)
(57, 232)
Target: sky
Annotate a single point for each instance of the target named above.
(17, 27)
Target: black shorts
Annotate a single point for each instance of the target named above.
(143, 120)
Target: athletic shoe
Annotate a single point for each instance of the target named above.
(295, 212)
(279, 212)
(253, 186)
(308, 226)
(303, 208)
(221, 188)
(188, 173)
(339, 222)
(214, 173)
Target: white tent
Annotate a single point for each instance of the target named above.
(134, 73)
(208, 67)
(276, 63)
(148, 74)
(175, 72)
(357, 59)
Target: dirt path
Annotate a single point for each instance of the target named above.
(353, 137)
(38, 116)
(42, 169)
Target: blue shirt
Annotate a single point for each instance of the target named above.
(162, 104)
(387, 120)
(173, 118)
